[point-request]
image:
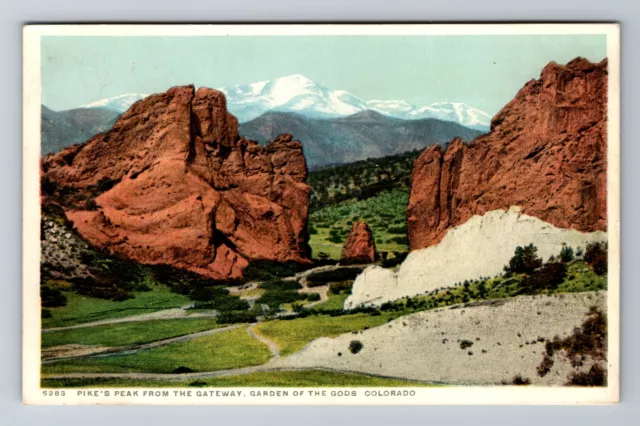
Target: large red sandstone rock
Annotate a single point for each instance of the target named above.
(174, 184)
(359, 247)
(546, 152)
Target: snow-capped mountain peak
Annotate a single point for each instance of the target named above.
(119, 103)
(299, 94)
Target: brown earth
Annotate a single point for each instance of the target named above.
(546, 152)
(173, 183)
(359, 246)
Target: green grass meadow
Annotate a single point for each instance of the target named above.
(220, 351)
(81, 309)
(130, 333)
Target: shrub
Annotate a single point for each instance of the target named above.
(198, 383)
(340, 274)
(596, 256)
(45, 313)
(355, 346)
(311, 229)
(397, 259)
(52, 297)
(549, 277)
(182, 370)
(275, 298)
(91, 204)
(278, 284)
(267, 269)
(397, 229)
(566, 254)
(525, 260)
(341, 287)
(464, 344)
(596, 376)
(233, 317)
(588, 343)
(403, 240)
(313, 297)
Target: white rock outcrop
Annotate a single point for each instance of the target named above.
(479, 247)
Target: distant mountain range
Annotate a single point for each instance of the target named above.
(298, 94)
(61, 129)
(356, 137)
(333, 125)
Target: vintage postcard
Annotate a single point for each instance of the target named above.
(321, 214)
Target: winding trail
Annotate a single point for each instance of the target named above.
(273, 346)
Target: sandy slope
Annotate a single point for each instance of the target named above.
(425, 346)
(479, 247)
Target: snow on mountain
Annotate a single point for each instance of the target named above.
(296, 93)
(119, 103)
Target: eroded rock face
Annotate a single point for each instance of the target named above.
(173, 183)
(359, 247)
(546, 153)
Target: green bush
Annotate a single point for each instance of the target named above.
(355, 346)
(275, 298)
(549, 277)
(595, 255)
(278, 284)
(341, 287)
(52, 297)
(566, 254)
(313, 297)
(337, 275)
(234, 317)
(267, 269)
(397, 229)
(525, 260)
(403, 240)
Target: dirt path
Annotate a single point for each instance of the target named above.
(130, 349)
(273, 347)
(173, 313)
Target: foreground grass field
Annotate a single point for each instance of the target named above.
(81, 309)
(305, 378)
(293, 335)
(385, 214)
(127, 333)
(220, 351)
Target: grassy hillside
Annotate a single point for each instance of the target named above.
(360, 180)
(385, 214)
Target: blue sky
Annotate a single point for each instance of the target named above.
(482, 71)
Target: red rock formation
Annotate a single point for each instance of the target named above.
(546, 152)
(359, 247)
(174, 184)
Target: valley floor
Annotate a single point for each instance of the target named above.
(505, 337)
